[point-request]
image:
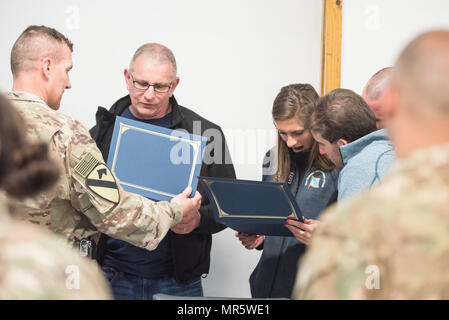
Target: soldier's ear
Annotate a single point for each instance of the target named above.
(46, 67)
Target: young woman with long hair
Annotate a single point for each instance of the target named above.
(312, 180)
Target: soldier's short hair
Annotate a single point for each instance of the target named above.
(342, 114)
(34, 43)
(155, 52)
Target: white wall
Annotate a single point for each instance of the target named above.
(375, 31)
(233, 58)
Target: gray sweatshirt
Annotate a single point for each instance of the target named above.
(366, 160)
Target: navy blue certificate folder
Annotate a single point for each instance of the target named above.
(155, 162)
(252, 207)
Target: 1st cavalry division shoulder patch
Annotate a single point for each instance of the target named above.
(99, 179)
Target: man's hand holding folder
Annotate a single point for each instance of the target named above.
(190, 214)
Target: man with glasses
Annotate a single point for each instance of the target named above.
(180, 260)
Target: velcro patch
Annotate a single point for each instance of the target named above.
(86, 165)
(101, 182)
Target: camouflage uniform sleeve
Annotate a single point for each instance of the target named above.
(39, 265)
(97, 194)
(315, 278)
(345, 258)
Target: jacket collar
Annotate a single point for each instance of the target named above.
(121, 104)
(351, 149)
(22, 96)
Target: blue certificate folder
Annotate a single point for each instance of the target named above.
(155, 162)
(252, 207)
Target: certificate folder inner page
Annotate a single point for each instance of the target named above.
(153, 161)
(252, 207)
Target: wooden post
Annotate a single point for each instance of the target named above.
(331, 45)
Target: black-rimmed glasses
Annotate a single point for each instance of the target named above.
(158, 87)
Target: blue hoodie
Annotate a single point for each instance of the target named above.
(365, 160)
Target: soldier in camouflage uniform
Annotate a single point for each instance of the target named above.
(35, 264)
(87, 198)
(38, 265)
(393, 242)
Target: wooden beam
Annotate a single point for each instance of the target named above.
(331, 45)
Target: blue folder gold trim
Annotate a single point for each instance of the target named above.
(153, 161)
(252, 207)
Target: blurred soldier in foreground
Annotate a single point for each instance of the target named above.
(35, 264)
(87, 198)
(392, 243)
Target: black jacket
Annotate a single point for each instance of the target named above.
(191, 252)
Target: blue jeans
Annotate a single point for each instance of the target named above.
(126, 286)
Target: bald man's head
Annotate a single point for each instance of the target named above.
(377, 83)
(423, 72)
(35, 43)
(373, 93)
(417, 103)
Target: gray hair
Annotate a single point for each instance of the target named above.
(157, 53)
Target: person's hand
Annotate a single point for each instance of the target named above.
(302, 231)
(250, 241)
(190, 215)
